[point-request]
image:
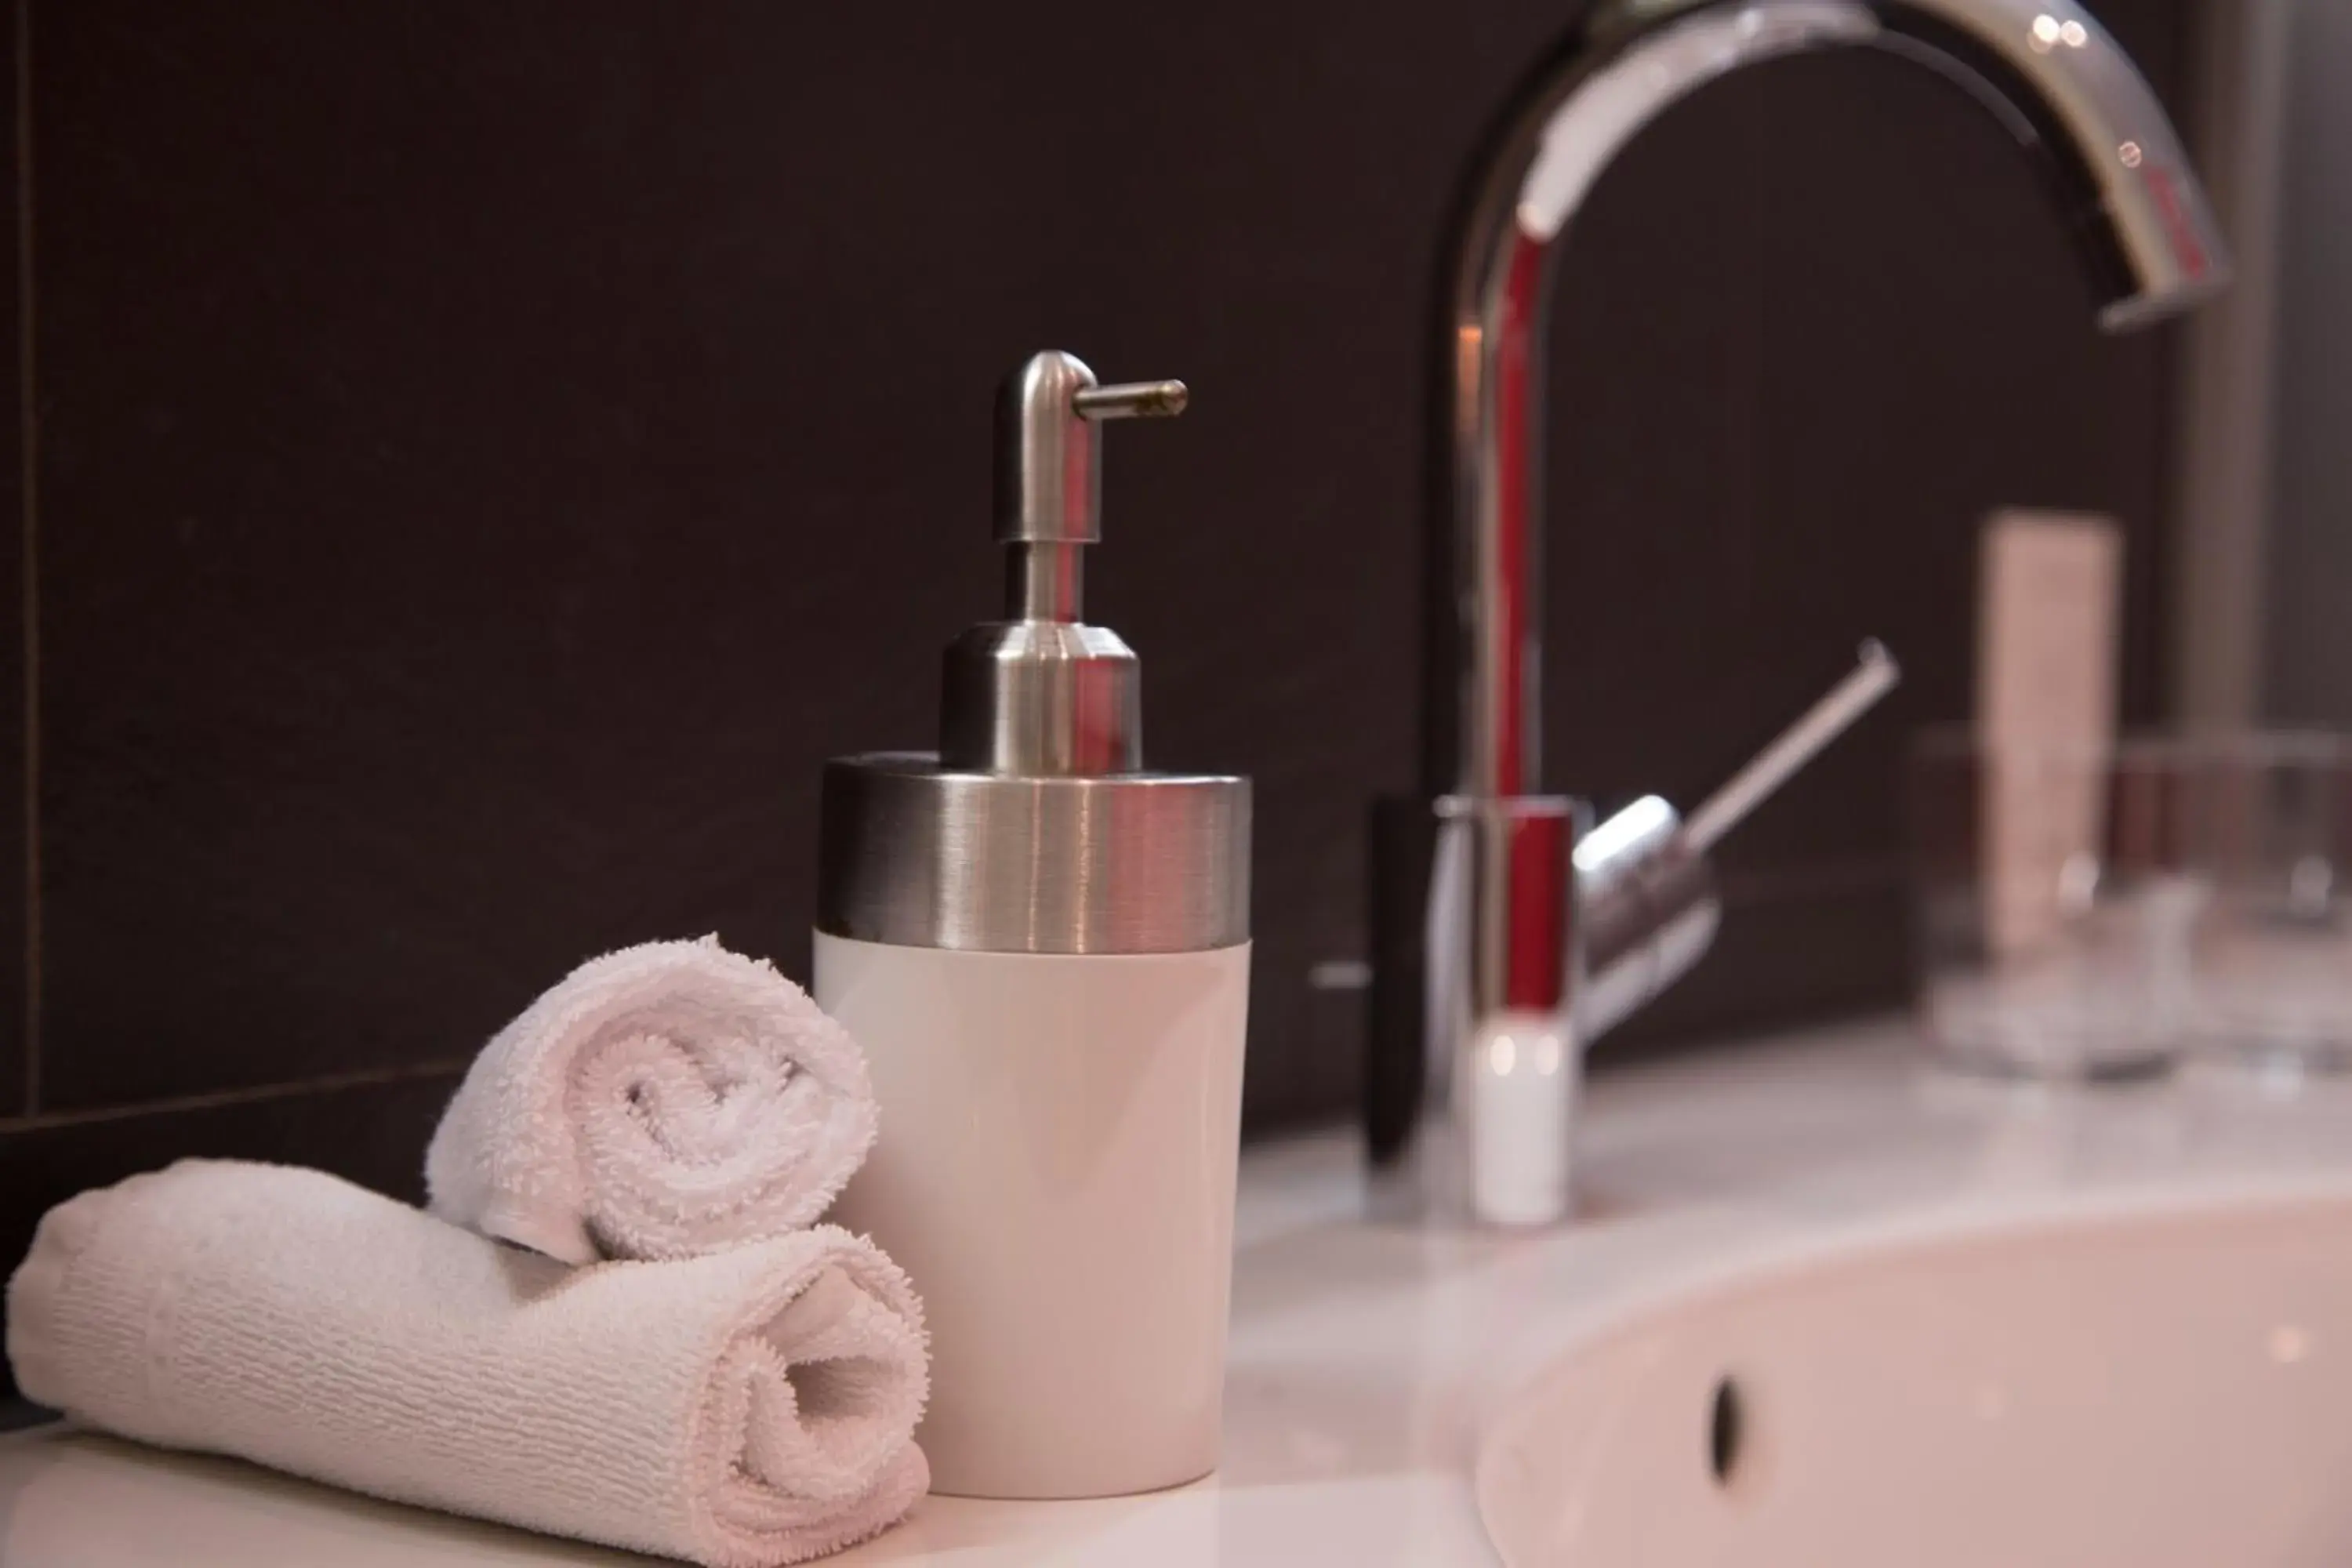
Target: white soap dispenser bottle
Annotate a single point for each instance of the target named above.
(1044, 952)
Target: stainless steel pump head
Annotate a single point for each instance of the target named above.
(1036, 827)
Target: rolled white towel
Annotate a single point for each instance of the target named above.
(660, 1102)
(744, 1409)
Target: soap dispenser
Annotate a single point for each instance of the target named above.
(1044, 950)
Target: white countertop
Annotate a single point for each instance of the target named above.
(1364, 1357)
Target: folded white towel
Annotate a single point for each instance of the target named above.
(747, 1408)
(660, 1102)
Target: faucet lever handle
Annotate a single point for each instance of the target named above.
(1874, 675)
(1647, 901)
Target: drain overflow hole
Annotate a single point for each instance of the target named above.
(1726, 1427)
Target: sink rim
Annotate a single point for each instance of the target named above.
(1755, 1261)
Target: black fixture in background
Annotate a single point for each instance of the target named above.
(484, 459)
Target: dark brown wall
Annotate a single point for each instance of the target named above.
(17, 1061)
(488, 456)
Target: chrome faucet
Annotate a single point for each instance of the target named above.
(1505, 940)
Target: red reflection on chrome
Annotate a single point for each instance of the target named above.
(1536, 977)
(1515, 470)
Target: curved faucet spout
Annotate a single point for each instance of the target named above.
(2048, 71)
(1499, 948)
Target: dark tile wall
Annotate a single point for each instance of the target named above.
(488, 456)
(17, 1059)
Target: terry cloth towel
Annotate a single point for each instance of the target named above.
(748, 1408)
(660, 1102)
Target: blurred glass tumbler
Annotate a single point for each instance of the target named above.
(2094, 914)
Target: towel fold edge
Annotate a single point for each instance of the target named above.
(38, 1293)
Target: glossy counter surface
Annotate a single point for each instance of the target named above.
(1367, 1359)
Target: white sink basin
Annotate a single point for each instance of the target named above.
(2141, 1390)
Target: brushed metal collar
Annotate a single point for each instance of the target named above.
(914, 855)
